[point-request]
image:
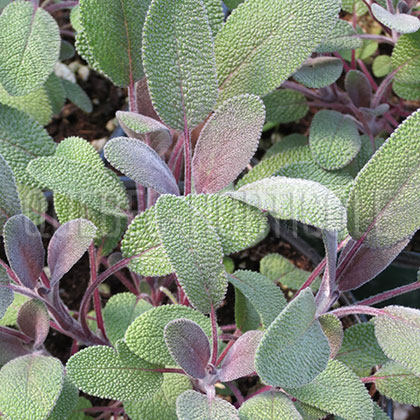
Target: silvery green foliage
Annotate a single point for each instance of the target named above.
(227, 143)
(400, 22)
(20, 401)
(375, 211)
(191, 405)
(366, 264)
(145, 336)
(270, 405)
(239, 361)
(280, 270)
(215, 15)
(194, 250)
(381, 65)
(269, 166)
(24, 249)
(162, 404)
(9, 199)
(177, 36)
(21, 140)
(35, 38)
(338, 182)
(334, 139)
(33, 202)
(341, 37)
(319, 72)
(358, 5)
(66, 402)
(284, 106)
(74, 93)
(358, 87)
(120, 311)
(116, 49)
(6, 295)
(34, 321)
(333, 330)
(360, 350)
(294, 349)
(115, 374)
(146, 129)
(141, 163)
(263, 295)
(397, 331)
(237, 225)
(337, 390)
(295, 199)
(286, 143)
(69, 242)
(10, 317)
(398, 383)
(189, 346)
(250, 61)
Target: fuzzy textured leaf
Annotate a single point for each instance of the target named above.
(358, 87)
(257, 62)
(9, 199)
(366, 264)
(396, 382)
(66, 402)
(269, 406)
(400, 22)
(280, 270)
(194, 250)
(338, 183)
(145, 336)
(68, 244)
(141, 163)
(116, 51)
(227, 143)
(33, 202)
(334, 139)
(24, 249)
(284, 106)
(31, 385)
(398, 335)
(360, 350)
(6, 299)
(286, 143)
(21, 140)
(342, 37)
(386, 188)
(266, 298)
(237, 225)
(189, 346)
(295, 199)
(409, 91)
(120, 311)
(35, 37)
(10, 348)
(268, 167)
(177, 36)
(239, 361)
(381, 65)
(406, 58)
(105, 373)
(141, 127)
(74, 93)
(358, 5)
(34, 321)
(319, 72)
(194, 406)
(10, 317)
(163, 404)
(294, 350)
(337, 390)
(333, 330)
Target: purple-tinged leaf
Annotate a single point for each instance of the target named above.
(366, 264)
(68, 244)
(10, 348)
(227, 143)
(239, 361)
(6, 299)
(400, 22)
(146, 129)
(142, 164)
(358, 87)
(24, 249)
(34, 321)
(144, 103)
(189, 346)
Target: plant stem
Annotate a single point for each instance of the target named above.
(214, 337)
(10, 273)
(235, 390)
(390, 6)
(390, 294)
(96, 295)
(260, 391)
(383, 87)
(302, 89)
(15, 333)
(357, 309)
(367, 74)
(59, 6)
(227, 348)
(187, 160)
(378, 38)
(318, 270)
(125, 281)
